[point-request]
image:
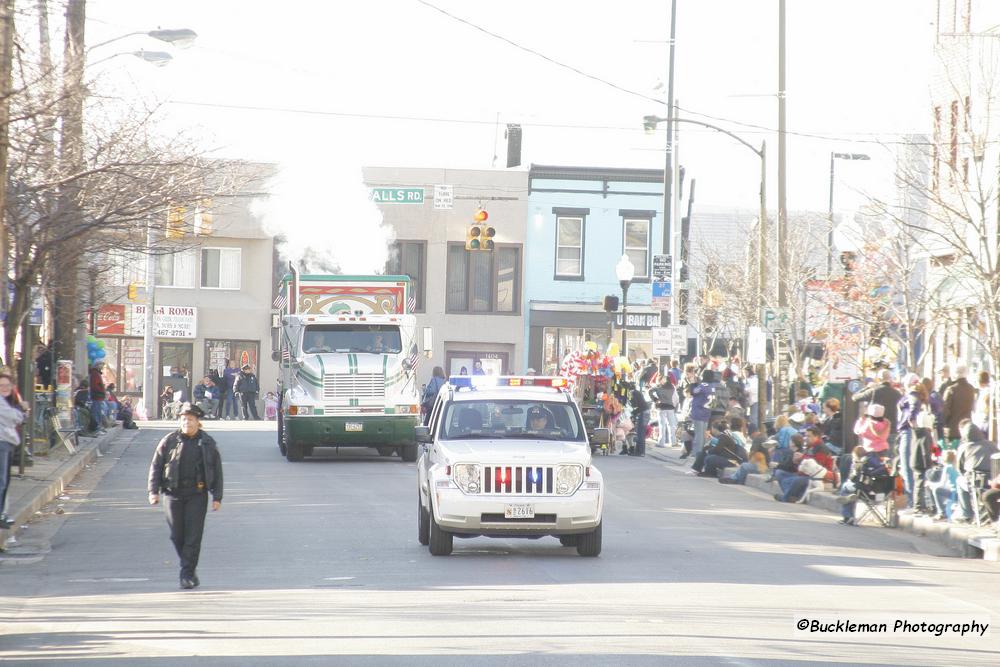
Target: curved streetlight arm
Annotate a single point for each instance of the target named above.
(653, 120)
(180, 37)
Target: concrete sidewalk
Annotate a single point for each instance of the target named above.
(48, 477)
(965, 540)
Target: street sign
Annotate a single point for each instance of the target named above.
(444, 197)
(662, 293)
(663, 267)
(662, 342)
(678, 339)
(756, 345)
(397, 195)
(37, 315)
(775, 320)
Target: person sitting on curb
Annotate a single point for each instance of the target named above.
(794, 486)
(723, 452)
(783, 434)
(757, 463)
(973, 457)
(81, 404)
(991, 501)
(786, 461)
(873, 429)
(866, 464)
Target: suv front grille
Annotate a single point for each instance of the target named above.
(503, 480)
(362, 385)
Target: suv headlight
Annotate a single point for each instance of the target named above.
(466, 476)
(568, 479)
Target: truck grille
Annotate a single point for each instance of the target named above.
(503, 480)
(362, 385)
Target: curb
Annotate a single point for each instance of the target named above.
(47, 490)
(965, 541)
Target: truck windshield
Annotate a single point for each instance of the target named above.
(374, 338)
(512, 420)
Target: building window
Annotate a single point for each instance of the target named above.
(220, 268)
(569, 247)
(635, 244)
(406, 258)
(176, 269)
(483, 282)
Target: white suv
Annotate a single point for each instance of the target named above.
(508, 457)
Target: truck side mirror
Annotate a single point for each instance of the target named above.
(422, 434)
(601, 436)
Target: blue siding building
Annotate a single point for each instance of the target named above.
(581, 220)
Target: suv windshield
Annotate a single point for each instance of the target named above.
(511, 420)
(375, 338)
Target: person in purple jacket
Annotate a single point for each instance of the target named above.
(700, 412)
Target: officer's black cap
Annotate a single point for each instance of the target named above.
(537, 412)
(190, 409)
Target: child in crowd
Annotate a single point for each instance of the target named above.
(944, 489)
(270, 406)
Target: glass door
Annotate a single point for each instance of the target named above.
(175, 369)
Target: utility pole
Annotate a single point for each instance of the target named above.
(761, 370)
(150, 395)
(71, 156)
(668, 169)
(6, 56)
(782, 276)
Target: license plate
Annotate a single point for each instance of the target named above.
(519, 511)
(354, 427)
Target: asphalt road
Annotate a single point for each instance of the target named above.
(318, 562)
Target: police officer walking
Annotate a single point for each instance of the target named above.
(187, 467)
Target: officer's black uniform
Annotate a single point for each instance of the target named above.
(185, 469)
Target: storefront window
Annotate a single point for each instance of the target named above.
(240, 352)
(561, 341)
(640, 344)
(123, 364)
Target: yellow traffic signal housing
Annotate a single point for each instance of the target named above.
(133, 291)
(175, 222)
(479, 235)
(473, 237)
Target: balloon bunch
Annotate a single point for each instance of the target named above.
(95, 350)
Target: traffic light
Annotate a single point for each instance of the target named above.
(479, 235)
(133, 291)
(175, 222)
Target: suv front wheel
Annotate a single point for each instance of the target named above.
(441, 541)
(589, 544)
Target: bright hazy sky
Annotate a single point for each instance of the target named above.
(857, 75)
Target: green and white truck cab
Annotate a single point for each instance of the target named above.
(346, 350)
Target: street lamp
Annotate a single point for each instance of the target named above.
(829, 238)
(649, 124)
(182, 38)
(625, 271)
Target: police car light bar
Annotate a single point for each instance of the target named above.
(474, 381)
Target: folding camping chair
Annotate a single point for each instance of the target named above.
(877, 495)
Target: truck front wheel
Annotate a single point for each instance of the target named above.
(293, 450)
